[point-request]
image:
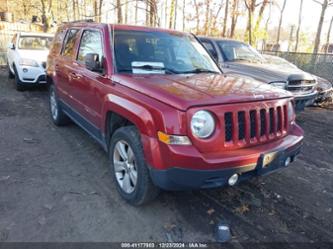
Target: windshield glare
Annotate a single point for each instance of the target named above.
(160, 52)
(34, 42)
(233, 51)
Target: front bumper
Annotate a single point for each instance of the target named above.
(303, 101)
(31, 75)
(177, 178)
(186, 168)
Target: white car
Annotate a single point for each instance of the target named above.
(26, 58)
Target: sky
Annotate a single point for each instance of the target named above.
(311, 14)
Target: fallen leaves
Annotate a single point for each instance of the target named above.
(244, 208)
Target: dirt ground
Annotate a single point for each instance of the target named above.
(55, 186)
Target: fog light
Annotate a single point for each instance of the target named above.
(25, 70)
(287, 161)
(233, 179)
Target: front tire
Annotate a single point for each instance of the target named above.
(58, 117)
(129, 168)
(18, 84)
(10, 74)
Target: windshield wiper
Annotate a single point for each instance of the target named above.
(199, 70)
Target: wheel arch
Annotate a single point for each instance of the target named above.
(120, 112)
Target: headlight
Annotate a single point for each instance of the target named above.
(202, 124)
(280, 84)
(28, 62)
(291, 112)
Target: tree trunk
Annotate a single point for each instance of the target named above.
(119, 12)
(215, 17)
(74, 12)
(175, 18)
(184, 19)
(46, 14)
(225, 18)
(259, 18)
(172, 12)
(152, 12)
(250, 6)
(136, 12)
(328, 35)
(126, 12)
(197, 26)
(100, 5)
(207, 17)
(320, 26)
(299, 24)
(234, 18)
(280, 22)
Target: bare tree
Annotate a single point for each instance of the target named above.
(251, 6)
(234, 17)
(280, 20)
(136, 11)
(172, 13)
(329, 34)
(299, 24)
(225, 18)
(207, 17)
(184, 17)
(46, 13)
(216, 16)
(119, 12)
(260, 16)
(197, 15)
(324, 5)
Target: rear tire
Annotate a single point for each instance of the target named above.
(58, 117)
(126, 142)
(18, 84)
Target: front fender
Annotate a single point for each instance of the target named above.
(133, 112)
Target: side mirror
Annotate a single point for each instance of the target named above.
(11, 46)
(93, 63)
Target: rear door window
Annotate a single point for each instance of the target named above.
(70, 41)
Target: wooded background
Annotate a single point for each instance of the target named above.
(248, 20)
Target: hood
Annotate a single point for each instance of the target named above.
(185, 91)
(267, 72)
(38, 55)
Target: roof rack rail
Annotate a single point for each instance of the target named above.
(82, 20)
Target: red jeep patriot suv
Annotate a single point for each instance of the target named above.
(159, 105)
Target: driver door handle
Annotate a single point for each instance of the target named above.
(75, 75)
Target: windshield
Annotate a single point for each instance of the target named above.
(237, 51)
(160, 52)
(34, 42)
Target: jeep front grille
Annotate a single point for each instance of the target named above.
(255, 125)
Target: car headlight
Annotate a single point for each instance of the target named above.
(28, 62)
(291, 112)
(202, 124)
(280, 84)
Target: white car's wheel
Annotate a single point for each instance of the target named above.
(18, 84)
(10, 74)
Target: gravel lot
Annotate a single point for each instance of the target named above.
(55, 186)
